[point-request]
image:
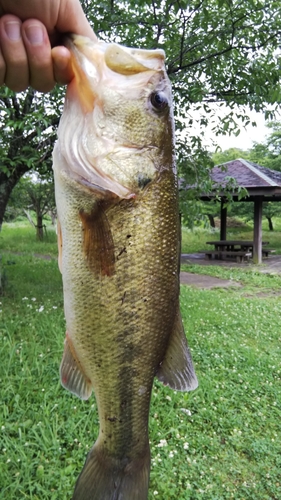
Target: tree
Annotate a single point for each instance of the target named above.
(230, 154)
(28, 123)
(219, 53)
(268, 153)
(34, 193)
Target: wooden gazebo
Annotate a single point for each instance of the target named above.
(262, 184)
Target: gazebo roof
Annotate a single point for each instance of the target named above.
(246, 173)
(258, 180)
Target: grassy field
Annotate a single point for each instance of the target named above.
(194, 241)
(219, 442)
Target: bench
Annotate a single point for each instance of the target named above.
(239, 255)
(267, 251)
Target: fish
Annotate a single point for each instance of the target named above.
(119, 249)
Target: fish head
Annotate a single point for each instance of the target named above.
(120, 103)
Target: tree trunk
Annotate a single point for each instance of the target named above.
(211, 220)
(7, 185)
(53, 215)
(29, 218)
(39, 227)
(270, 224)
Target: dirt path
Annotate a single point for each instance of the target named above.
(271, 265)
(204, 281)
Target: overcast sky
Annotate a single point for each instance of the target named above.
(247, 136)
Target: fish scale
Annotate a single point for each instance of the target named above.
(119, 251)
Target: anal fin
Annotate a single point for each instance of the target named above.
(72, 375)
(177, 369)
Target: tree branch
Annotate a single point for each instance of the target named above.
(28, 101)
(16, 106)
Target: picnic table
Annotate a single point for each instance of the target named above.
(239, 249)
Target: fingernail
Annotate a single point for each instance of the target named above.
(34, 34)
(12, 29)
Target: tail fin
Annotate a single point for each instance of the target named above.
(106, 478)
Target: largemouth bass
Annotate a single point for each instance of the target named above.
(119, 246)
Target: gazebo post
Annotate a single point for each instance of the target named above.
(223, 220)
(257, 248)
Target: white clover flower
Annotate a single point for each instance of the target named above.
(185, 446)
(186, 411)
(24, 298)
(33, 298)
(162, 443)
(41, 308)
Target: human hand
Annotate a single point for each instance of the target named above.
(28, 31)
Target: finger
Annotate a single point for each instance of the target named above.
(38, 50)
(63, 72)
(72, 19)
(13, 52)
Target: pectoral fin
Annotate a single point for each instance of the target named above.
(177, 370)
(72, 375)
(98, 241)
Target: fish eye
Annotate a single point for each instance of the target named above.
(159, 101)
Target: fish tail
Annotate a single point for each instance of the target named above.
(107, 478)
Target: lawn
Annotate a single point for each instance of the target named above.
(218, 442)
(194, 241)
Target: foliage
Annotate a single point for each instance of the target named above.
(219, 442)
(28, 122)
(219, 52)
(268, 153)
(230, 154)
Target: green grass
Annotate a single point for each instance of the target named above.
(254, 281)
(195, 240)
(219, 442)
(21, 238)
